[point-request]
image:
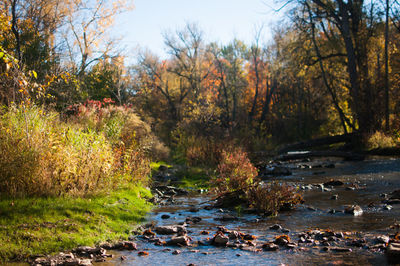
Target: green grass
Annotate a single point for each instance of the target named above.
(194, 178)
(34, 226)
(155, 165)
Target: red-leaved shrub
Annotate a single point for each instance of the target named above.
(235, 171)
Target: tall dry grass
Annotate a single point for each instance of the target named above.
(92, 151)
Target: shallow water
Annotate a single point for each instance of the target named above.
(373, 177)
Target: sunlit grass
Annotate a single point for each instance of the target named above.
(33, 226)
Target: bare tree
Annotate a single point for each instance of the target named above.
(86, 32)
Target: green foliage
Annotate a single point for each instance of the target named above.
(32, 226)
(194, 177)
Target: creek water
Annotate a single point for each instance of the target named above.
(372, 177)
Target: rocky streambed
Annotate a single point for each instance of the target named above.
(350, 217)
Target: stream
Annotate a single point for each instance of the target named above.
(370, 178)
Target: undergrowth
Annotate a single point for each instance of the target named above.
(96, 149)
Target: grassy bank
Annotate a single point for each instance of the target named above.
(71, 180)
(40, 225)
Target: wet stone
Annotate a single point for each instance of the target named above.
(176, 252)
(226, 218)
(337, 249)
(339, 234)
(126, 245)
(232, 245)
(387, 207)
(331, 165)
(392, 201)
(194, 219)
(143, 253)
(179, 241)
(393, 252)
(87, 250)
(193, 209)
(165, 216)
(395, 194)
(382, 239)
(270, 247)
(220, 240)
(281, 241)
(166, 230)
(357, 243)
(354, 210)
(233, 235)
(275, 227)
(311, 208)
(333, 211)
(249, 237)
(106, 246)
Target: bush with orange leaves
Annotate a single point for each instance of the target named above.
(270, 198)
(235, 171)
(237, 183)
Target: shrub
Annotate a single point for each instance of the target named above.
(272, 197)
(235, 171)
(196, 150)
(121, 125)
(380, 140)
(40, 155)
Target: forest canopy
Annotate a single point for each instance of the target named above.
(332, 68)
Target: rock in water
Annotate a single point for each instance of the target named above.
(382, 239)
(354, 210)
(334, 183)
(179, 240)
(393, 253)
(165, 216)
(274, 171)
(270, 247)
(395, 194)
(275, 227)
(220, 240)
(176, 252)
(166, 230)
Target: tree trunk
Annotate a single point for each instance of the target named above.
(387, 122)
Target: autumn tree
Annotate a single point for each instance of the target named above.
(86, 31)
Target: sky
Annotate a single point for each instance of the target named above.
(220, 20)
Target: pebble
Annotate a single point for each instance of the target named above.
(387, 207)
(143, 253)
(275, 227)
